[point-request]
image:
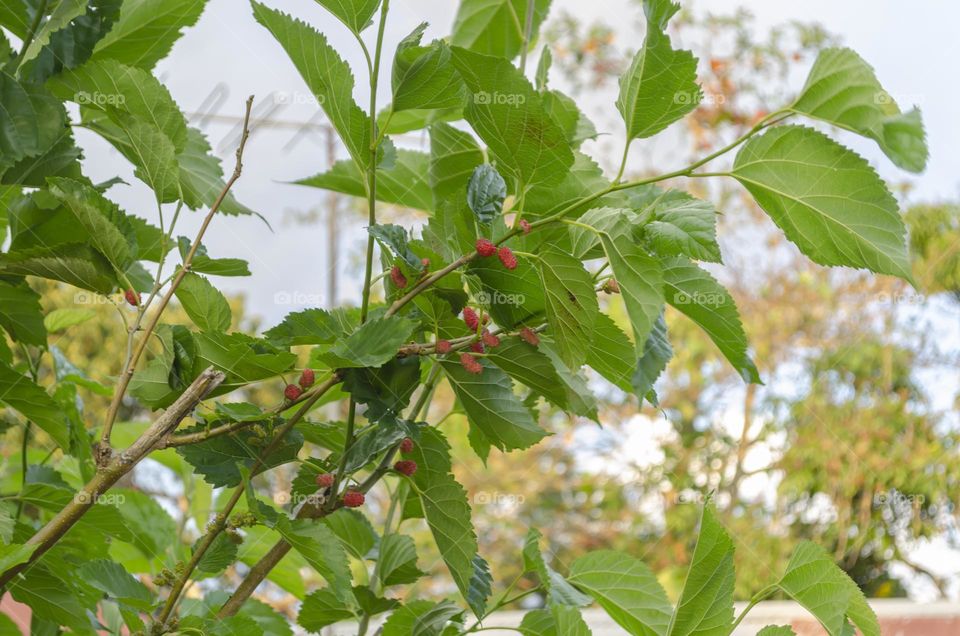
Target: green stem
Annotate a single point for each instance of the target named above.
(28, 40)
(759, 596)
(527, 32)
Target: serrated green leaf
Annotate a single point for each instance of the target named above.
(776, 630)
(201, 177)
(398, 560)
(564, 110)
(611, 353)
(508, 114)
(320, 609)
(75, 264)
(385, 390)
(826, 199)
(310, 326)
(492, 407)
(147, 30)
(814, 580)
(656, 354)
(705, 607)
(424, 76)
(479, 589)
(396, 239)
(486, 192)
(219, 459)
(420, 618)
(353, 529)
(20, 314)
(355, 14)
(113, 580)
(62, 319)
(697, 295)
(204, 303)
(20, 394)
(366, 447)
(33, 120)
(495, 27)
(203, 264)
(454, 155)
(559, 591)
(445, 506)
(59, 18)
(320, 547)
(558, 620)
(843, 90)
(626, 589)
(62, 159)
(372, 345)
(683, 226)
(326, 74)
(243, 358)
(660, 86)
(571, 303)
(526, 364)
(100, 218)
(403, 183)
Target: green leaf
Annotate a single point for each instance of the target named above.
(326, 74)
(571, 305)
(697, 295)
(683, 226)
(372, 345)
(826, 199)
(558, 620)
(219, 459)
(385, 390)
(33, 120)
(107, 84)
(243, 358)
(60, 17)
(486, 191)
(101, 218)
(660, 86)
(320, 609)
(626, 589)
(814, 580)
(492, 407)
(581, 400)
(147, 30)
(320, 547)
(641, 283)
(203, 264)
(705, 607)
(611, 353)
(62, 319)
(310, 326)
(20, 394)
(479, 590)
(201, 177)
(776, 630)
(62, 159)
(398, 560)
(13, 16)
(20, 314)
(445, 507)
(366, 447)
(221, 553)
(454, 154)
(656, 354)
(526, 364)
(75, 264)
(559, 590)
(355, 14)
(15, 554)
(495, 27)
(353, 529)
(403, 183)
(53, 598)
(420, 618)
(424, 76)
(204, 303)
(508, 114)
(543, 69)
(110, 578)
(395, 239)
(843, 90)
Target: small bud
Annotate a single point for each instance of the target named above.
(530, 336)
(324, 480)
(525, 226)
(426, 263)
(292, 392)
(611, 286)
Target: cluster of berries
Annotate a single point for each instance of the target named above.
(354, 498)
(242, 520)
(167, 577)
(399, 280)
(294, 391)
(486, 248)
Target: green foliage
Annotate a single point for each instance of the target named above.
(512, 172)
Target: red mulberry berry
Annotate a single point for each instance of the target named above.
(353, 499)
(530, 336)
(525, 226)
(490, 340)
(397, 277)
(470, 364)
(292, 392)
(476, 347)
(507, 258)
(325, 480)
(425, 262)
(133, 298)
(485, 247)
(470, 318)
(406, 467)
(406, 446)
(307, 378)
(444, 347)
